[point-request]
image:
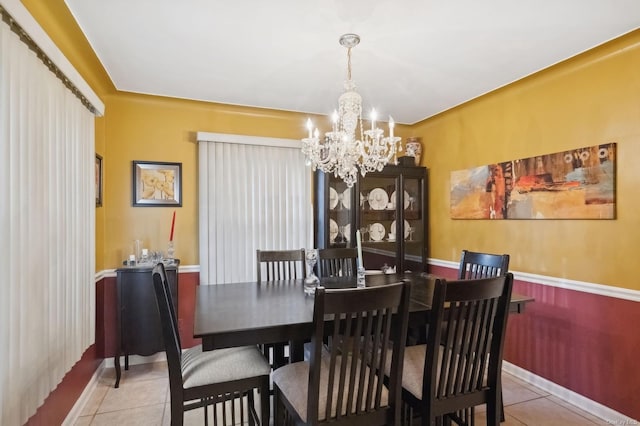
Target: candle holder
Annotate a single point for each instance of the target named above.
(170, 252)
(311, 282)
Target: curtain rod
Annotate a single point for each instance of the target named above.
(26, 39)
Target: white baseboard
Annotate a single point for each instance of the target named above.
(592, 407)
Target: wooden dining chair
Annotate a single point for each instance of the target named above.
(337, 262)
(345, 384)
(446, 380)
(482, 265)
(221, 378)
(277, 265)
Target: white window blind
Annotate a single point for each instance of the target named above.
(254, 193)
(47, 230)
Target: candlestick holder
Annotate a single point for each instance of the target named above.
(311, 282)
(170, 252)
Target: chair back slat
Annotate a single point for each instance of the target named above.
(464, 349)
(366, 326)
(337, 262)
(474, 265)
(276, 265)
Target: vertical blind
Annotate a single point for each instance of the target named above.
(47, 230)
(254, 193)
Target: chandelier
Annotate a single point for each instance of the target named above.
(348, 148)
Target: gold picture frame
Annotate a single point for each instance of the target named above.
(157, 184)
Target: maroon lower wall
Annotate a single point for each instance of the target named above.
(584, 342)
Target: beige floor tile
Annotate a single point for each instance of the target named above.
(545, 412)
(95, 399)
(155, 370)
(481, 420)
(83, 421)
(131, 394)
(515, 391)
(142, 416)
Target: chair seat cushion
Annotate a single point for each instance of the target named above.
(221, 365)
(293, 382)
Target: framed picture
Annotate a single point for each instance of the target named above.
(157, 184)
(98, 173)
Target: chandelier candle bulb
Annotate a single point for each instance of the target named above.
(392, 124)
(373, 119)
(309, 127)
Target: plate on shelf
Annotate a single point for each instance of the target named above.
(378, 199)
(346, 231)
(333, 230)
(345, 198)
(407, 228)
(333, 198)
(406, 199)
(376, 231)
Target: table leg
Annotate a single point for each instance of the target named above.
(296, 351)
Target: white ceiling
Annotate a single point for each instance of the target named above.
(416, 57)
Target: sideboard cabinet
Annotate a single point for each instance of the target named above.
(138, 327)
(389, 209)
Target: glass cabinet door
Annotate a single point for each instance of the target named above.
(414, 231)
(340, 214)
(378, 221)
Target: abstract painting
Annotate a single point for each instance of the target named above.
(574, 184)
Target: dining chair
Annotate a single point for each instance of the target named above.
(482, 265)
(444, 381)
(337, 262)
(345, 385)
(276, 265)
(220, 378)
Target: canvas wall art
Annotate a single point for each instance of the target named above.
(575, 184)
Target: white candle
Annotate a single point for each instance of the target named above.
(359, 244)
(373, 119)
(392, 124)
(309, 126)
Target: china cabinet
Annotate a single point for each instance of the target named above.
(389, 209)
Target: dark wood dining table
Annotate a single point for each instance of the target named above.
(250, 313)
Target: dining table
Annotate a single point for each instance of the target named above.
(251, 313)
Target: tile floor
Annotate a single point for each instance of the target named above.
(143, 399)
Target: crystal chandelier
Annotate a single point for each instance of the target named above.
(344, 149)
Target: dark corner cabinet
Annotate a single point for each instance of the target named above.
(139, 331)
(388, 207)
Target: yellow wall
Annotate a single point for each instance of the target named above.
(153, 128)
(591, 99)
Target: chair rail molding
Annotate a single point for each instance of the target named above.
(585, 287)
